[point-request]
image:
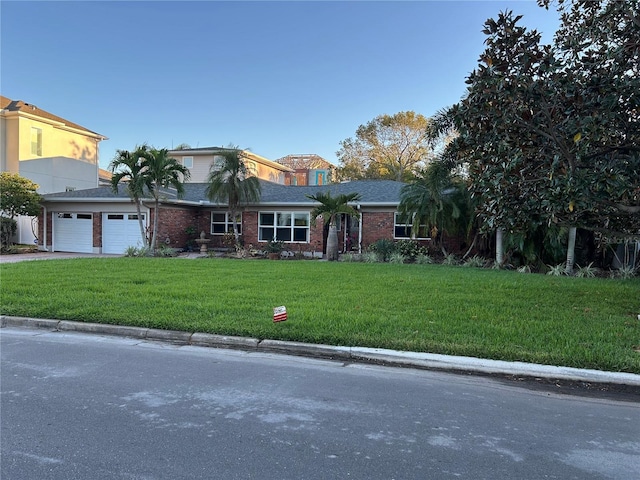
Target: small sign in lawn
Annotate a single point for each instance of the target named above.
(279, 314)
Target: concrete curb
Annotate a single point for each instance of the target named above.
(428, 361)
(305, 349)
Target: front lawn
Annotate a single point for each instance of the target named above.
(578, 322)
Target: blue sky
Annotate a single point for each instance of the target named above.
(275, 77)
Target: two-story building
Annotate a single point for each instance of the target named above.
(53, 152)
(200, 161)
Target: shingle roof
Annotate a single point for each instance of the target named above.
(20, 106)
(371, 192)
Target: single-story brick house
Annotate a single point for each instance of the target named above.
(99, 220)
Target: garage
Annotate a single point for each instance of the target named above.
(119, 231)
(73, 232)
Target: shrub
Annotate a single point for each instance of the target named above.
(132, 251)
(275, 246)
(524, 269)
(165, 251)
(625, 273)
(450, 259)
(8, 228)
(370, 257)
(229, 240)
(475, 261)
(349, 257)
(423, 259)
(409, 248)
(384, 248)
(586, 272)
(397, 257)
(556, 270)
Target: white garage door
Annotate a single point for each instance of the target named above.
(119, 231)
(73, 232)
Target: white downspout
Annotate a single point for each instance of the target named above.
(359, 230)
(44, 230)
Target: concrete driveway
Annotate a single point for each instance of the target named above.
(22, 257)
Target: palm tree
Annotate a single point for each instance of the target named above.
(329, 208)
(439, 199)
(233, 184)
(127, 168)
(161, 171)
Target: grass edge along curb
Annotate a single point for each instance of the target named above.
(368, 355)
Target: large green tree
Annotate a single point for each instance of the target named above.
(329, 209)
(389, 146)
(233, 184)
(127, 168)
(551, 132)
(18, 196)
(160, 171)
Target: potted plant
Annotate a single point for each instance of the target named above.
(274, 249)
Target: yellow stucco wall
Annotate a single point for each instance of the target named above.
(9, 153)
(56, 142)
(202, 165)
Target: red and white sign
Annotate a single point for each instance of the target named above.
(280, 314)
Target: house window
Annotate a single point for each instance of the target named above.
(284, 226)
(221, 223)
(69, 189)
(252, 168)
(187, 162)
(218, 162)
(36, 141)
(402, 228)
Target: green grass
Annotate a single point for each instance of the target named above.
(579, 322)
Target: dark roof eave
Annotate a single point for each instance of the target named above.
(85, 199)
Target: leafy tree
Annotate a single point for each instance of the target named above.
(160, 172)
(18, 196)
(329, 208)
(233, 184)
(551, 133)
(389, 146)
(127, 167)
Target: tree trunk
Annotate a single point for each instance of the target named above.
(143, 234)
(473, 244)
(571, 248)
(332, 243)
(234, 222)
(156, 215)
(499, 247)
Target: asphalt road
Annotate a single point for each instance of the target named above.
(77, 406)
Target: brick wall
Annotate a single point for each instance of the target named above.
(375, 226)
(173, 223)
(41, 222)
